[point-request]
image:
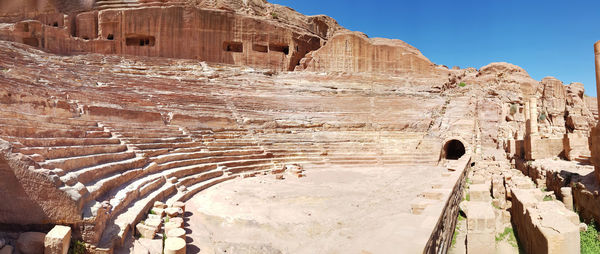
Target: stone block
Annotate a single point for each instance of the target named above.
(57, 240)
(173, 224)
(173, 211)
(158, 211)
(7, 250)
(481, 227)
(567, 197)
(146, 231)
(479, 192)
(31, 243)
(179, 204)
(155, 223)
(160, 205)
(175, 246)
(176, 232)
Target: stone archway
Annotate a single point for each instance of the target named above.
(453, 149)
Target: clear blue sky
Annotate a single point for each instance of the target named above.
(546, 38)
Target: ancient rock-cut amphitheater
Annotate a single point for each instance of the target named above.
(230, 126)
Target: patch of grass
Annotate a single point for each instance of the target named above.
(460, 217)
(76, 247)
(468, 197)
(508, 232)
(548, 198)
(152, 212)
(167, 219)
(589, 239)
(462, 84)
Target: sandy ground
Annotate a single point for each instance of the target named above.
(332, 210)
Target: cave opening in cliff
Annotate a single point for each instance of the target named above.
(260, 48)
(285, 49)
(233, 46)
(55, 24)
(110, 37)
(454, 149)
(140, 41)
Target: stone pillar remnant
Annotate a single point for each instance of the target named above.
(595, 135)
(533, 116)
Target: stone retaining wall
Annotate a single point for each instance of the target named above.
(441, 237)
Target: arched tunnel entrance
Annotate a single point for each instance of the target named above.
(454, 149)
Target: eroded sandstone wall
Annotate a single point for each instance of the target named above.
(354, 52)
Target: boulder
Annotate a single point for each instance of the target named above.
(31, 243)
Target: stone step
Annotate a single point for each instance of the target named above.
(71, 151)
(34, 132)
(141, 128)
(49, 142)
(103, 186)
(230, 144)
(194, 179)
(229, 148)
(209, 160)
(45, 119)
(195, 188)
(172, 134)
(248, 162)
(253, 167)
(135, 141)
(8, 122)
(79, 162)
(95, 173)
(120, 226)
(203, 154)
(170, 145)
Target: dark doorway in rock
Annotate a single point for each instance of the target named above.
(285, 49)
(232, 46)
(454, 149)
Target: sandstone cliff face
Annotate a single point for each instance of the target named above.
(354, 52)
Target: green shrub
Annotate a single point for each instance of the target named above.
(542, 117)
(76, 247)
(548, 198)
(462, 84)
(274, 15)
(513, 109)
(589, 239)
(468, 197)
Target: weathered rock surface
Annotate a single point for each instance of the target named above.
(30, 243)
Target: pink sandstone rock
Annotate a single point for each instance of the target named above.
(30, 243)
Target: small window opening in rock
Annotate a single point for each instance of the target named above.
(26, 28)
(279, 48)
(232, 46)
(55, 24)
(110, 37)
(472, 164)
(140, 41)
(86, 38)
(454, 149)
(260, 48)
